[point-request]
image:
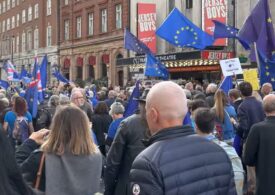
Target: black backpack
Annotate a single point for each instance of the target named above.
(44, 118)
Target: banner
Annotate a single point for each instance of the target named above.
(146, 17)
(214, 10)
(251, 76)
(231, 67)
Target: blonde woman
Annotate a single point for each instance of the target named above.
(72, 161)
(224, 111)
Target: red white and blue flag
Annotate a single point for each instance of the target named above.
(10, 70)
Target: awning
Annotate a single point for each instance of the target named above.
(79, 61)
(187, 65)
(67, 63)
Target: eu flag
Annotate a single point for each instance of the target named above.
(4, 84)
(224, 31)
(132, 105)
(43, 73)
(154, 68)
(31, 97)
(267, 70)
(258, 28)
(180, 31)
(24, 73)
(132, 43)
(226, 84)
(59, 77)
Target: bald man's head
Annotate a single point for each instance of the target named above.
(266, 88)
(269, 104)
(166, 106)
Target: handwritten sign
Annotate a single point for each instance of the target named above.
(251, 76)
(231, 67)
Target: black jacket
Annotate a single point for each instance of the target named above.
(179, 162)
(249, 112)
(126, 146)
(259, 152)
(28, 158)
(101, 123)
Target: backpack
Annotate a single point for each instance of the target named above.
(44, 118)
(21, 130)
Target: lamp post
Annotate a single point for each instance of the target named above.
(12, 41)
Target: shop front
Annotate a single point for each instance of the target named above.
(195, 65)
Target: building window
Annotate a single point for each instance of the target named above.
(189, 4)
(13, 22)
(17, 44)
(8, 24)
(29, 40)
(23, 16)
(23, 42)
(66, 30)
(104, 20)
(36, 11)
(49, 7)
(90, 24)
(36, 38)
(4, 6)
(30, 13)
(49, 36)
(118, 16)
(8, 4)
(18, 20)
(4, 26)
(13, 3)
(66, 2)
(78, 27)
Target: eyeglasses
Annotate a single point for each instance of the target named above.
(76, 98)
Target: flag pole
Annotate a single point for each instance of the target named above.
(257, 58)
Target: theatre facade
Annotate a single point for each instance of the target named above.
(193, 65)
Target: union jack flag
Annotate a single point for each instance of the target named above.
(10, 70)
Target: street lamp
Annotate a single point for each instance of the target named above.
(12, 41)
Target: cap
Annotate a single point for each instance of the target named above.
(142, 98)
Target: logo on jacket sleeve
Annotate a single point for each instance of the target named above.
(136, 189)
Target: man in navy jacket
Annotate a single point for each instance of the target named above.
(178, 161)
(259, 149)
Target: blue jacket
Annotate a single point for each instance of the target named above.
(249, 112)
(179, 162)
(228, 128)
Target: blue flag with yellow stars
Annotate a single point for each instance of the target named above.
(181, 32)
(258, 28)
(154, 68)
(4, 84)
(132, 43)
(224, 31)
(226, 84)
(132, 105)
(267, 69)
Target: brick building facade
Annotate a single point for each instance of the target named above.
(29, 28)
(92, 39)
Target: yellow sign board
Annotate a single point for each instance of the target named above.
(251, 76)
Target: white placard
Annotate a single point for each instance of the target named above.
(231, 67)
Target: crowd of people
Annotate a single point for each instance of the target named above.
(182, 139)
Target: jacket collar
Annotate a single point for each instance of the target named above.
(170, 133)
(270, 118)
